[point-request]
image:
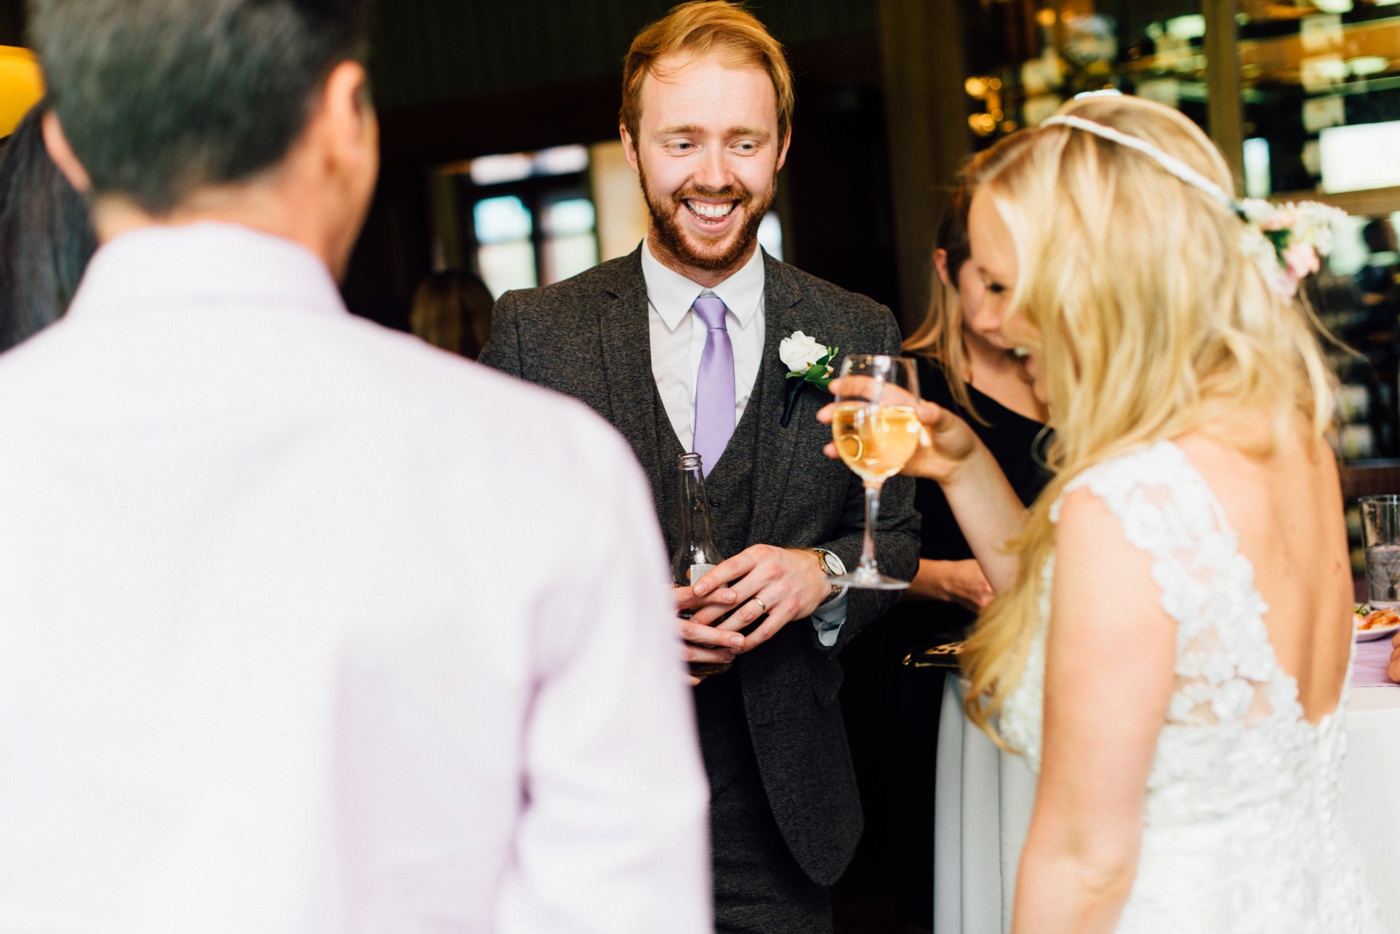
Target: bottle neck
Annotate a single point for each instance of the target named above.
(694, 507)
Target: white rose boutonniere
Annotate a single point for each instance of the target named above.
(800, 352)
(808, 361)
(807, 358)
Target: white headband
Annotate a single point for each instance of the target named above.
(1172, 164)
(1298, 234)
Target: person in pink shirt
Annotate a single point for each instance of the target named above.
(305, 625)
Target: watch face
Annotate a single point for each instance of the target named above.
(828, 566)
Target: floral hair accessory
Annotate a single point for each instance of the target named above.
(808, 361)
(1286, 241)
(1290, 239)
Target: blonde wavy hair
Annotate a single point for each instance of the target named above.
(1154, 321)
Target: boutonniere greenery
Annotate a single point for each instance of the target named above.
(808, 361)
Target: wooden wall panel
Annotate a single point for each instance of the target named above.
(926, 121)
(431, 52)
(12, 21)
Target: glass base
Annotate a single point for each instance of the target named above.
(868, 580)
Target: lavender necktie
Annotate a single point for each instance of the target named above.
(714, 385)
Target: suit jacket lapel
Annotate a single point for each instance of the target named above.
(626, 337)
(775, 443)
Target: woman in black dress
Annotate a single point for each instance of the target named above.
(965, 365)
(891, 709)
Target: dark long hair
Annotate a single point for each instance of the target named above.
(46, 236)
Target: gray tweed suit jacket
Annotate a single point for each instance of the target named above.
(588, 337)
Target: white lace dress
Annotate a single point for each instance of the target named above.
(1243, 826)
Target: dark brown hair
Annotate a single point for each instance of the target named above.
(46, 236)
(452, 310)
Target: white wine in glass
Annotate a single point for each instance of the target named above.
(876, 432)
(875, 441)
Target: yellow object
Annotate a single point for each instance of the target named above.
(21, 85)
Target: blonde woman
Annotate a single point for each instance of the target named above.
(1171, 641)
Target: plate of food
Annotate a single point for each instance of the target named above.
(1374, 623)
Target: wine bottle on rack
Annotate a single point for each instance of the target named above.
(695, 553)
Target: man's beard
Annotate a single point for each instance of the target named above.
(673, 240)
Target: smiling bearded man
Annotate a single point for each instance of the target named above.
(677, 345)
(680, 246)
(716, 254)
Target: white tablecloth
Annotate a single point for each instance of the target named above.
(1371, 771)
(983, 798)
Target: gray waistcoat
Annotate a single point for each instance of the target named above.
(719, 704)
(729, 487)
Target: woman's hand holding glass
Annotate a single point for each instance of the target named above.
(875, 431)
(946, 443)
(950, 453)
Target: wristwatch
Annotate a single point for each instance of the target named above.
(832, 566)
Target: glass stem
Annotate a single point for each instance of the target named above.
(872, 511)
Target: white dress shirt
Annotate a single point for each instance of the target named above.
(677, 344)
(678, 336)
(306, 626)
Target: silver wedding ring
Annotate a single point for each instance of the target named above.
(762, 604)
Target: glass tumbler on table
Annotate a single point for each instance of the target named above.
(876, 432)
(1380, 534)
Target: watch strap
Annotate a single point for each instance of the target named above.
(833, 566)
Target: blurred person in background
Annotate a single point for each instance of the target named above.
(253, 681)
(46, 235)
(1375, 333)
(1377, 279)
(452, 310)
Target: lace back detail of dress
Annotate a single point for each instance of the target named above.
(1225, 667)
(1243, 828)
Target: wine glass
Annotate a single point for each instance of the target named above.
(876, 432)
